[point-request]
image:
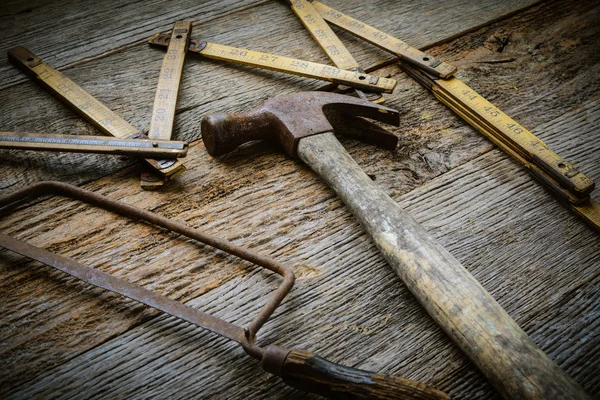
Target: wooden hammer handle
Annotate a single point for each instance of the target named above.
(308, 372)
(455, 300)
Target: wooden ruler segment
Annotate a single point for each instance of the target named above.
(551, 183)
(498, 138)
(329, 42)
(284, 64)
(323, 35)
(524, 141)
(581, 204)
(407, 54)
(85, 104)
(167, 89)
(589, 212)
(508, 134)
(71, 94)
(163, 111)
(569, 184)
(93, 144)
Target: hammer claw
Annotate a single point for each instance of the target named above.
(364, 130)
(367, 109)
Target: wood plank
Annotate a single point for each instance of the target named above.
(126, 83)
(49, 323)
(67, 32)
(354, 310)
(95, 28)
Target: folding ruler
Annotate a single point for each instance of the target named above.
(93, 144)
(165, 100)
(308, 69)
(129, 140)
(333, 46)
(561, 177)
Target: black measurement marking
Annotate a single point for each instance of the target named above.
(163, 94)
(159, 114)
(168, 73)
(241, 53)
(334, 14)
(320, 33)
(172, 55)
(309, 19)
(299, 64)
(356, 24)
(333, 50)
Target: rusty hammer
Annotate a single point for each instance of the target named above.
(451, 295)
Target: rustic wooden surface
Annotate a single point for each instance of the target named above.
(62, 338)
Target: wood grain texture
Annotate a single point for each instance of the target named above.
(108, 26)
(347, 306)
(313, 374)
(450, 294)
(126, 82)
(67, 32)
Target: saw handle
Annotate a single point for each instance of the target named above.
(306, 371)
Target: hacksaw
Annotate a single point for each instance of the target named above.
(559, 176)
(283, 64)
(299, 368)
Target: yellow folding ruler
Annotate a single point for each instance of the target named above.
(307, 69)
(561, 177)
(165, 99)
(166, 149)
(100, 116)
(329, 42)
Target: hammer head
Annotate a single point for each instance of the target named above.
(288, 119)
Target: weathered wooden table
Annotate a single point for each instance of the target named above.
(538, 61)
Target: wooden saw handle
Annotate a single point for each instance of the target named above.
(308, 372)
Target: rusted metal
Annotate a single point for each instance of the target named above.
(289, 118)
(298, 368)
(274, 359)
(135, 292)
